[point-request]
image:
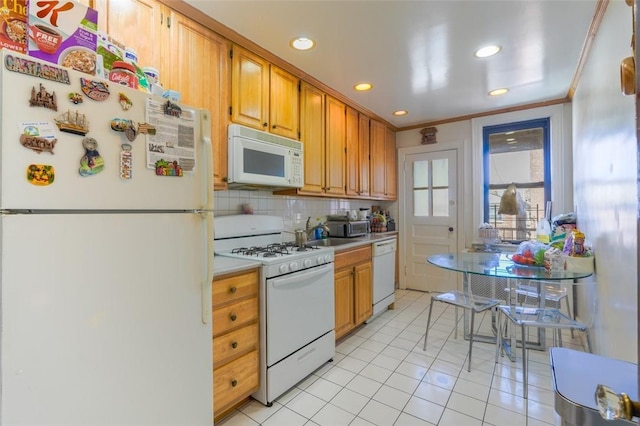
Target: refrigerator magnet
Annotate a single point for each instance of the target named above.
(172, 109)
(165, 168)
(96, 90)
(42, 98)
(146, 129)
(73, 122)
(125, 102)
(75, 97)
(38, 143)
(40, 174)
(91, 162)
(126, 162)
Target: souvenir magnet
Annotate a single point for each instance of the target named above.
(75, 97)
(91, 162)
(146, 128)
(40, 174)
(164, 168)
(172, 109)
(96, 90)
(37, 143)
(121, 124)
(42, 98)
(73, 122)
(126, 162)
(125, 102)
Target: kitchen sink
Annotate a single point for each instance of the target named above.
(329, 242)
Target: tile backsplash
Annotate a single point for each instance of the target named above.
(294, 209)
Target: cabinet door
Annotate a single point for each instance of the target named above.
(344, 297)
(378, 154)
(312, 120)
(352, 157)
(391, 170)
(283, 105)
(141, 25)
(204, 83)
(363, 292)
(363, 149)
(249, 89)
(334, 144)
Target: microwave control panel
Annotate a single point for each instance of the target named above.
(296, 169)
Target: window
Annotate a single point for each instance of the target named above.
(431, 187)
(517, 153)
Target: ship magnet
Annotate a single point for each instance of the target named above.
(91, 162)
(165, 168)
(125, 102)
(73, 122)
(40, 174)
(42, 98)
(126, 162)
(75, 97)
(96, 90)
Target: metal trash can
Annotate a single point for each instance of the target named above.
(576, 374)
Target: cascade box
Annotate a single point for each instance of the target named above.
(64, 33)
(13, 25)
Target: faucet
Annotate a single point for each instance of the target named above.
(309, 229)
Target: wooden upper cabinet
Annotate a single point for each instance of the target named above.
(312, 131)
(364, 152)
(208, 57)
(249, 89)
(378, 154)
(283, 103)
(335, 146)
(263, 96)
(391, 169)
(141, 25)
(357, 155)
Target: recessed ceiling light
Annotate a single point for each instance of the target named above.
(363, 86)
(498, 92)
(400, 112)
(486, 51)
(302, 43)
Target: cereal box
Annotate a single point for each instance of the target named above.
(63, 32)
(13, 26)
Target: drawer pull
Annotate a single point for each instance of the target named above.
(234, 383)
(233, 289)
(234, 345)
(233, 317)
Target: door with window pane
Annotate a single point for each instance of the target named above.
(430, 217)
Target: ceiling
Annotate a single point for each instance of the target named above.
(419, 55)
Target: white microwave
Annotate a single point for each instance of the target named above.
(260, 159)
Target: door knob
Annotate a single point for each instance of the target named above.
(451, 229)
(615, 406)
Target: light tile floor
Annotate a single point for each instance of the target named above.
(381, 376)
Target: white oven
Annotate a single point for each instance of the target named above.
(297, 314)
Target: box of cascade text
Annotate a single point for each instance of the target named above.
(13, 25)
(64, 33)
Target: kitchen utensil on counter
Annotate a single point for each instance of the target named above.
(363, 213)
(353, 215)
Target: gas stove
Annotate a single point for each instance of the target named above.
(261, 238)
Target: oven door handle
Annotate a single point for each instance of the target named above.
(302, 278)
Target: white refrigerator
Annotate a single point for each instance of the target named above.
(105, 266)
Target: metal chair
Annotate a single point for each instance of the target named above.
(474, 304)
(524, 317)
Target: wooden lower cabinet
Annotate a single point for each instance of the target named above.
(353, 289)
(235, 343)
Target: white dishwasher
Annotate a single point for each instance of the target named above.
(384, 274)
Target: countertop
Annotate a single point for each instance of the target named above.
(226, 265)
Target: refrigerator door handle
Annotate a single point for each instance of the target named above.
(205, 131)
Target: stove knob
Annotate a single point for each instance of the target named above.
(284, 268)
(293, 266)
(320, 260)
(307, 263)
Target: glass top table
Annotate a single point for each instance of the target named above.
(498, 265)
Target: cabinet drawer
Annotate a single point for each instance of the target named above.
(352, 257)
(228, 346)
(234, 287)
(234, 316)
(235, 381)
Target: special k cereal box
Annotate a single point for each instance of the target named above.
(63, 32)
(13, 26)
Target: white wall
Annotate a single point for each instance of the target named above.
(605, 185)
